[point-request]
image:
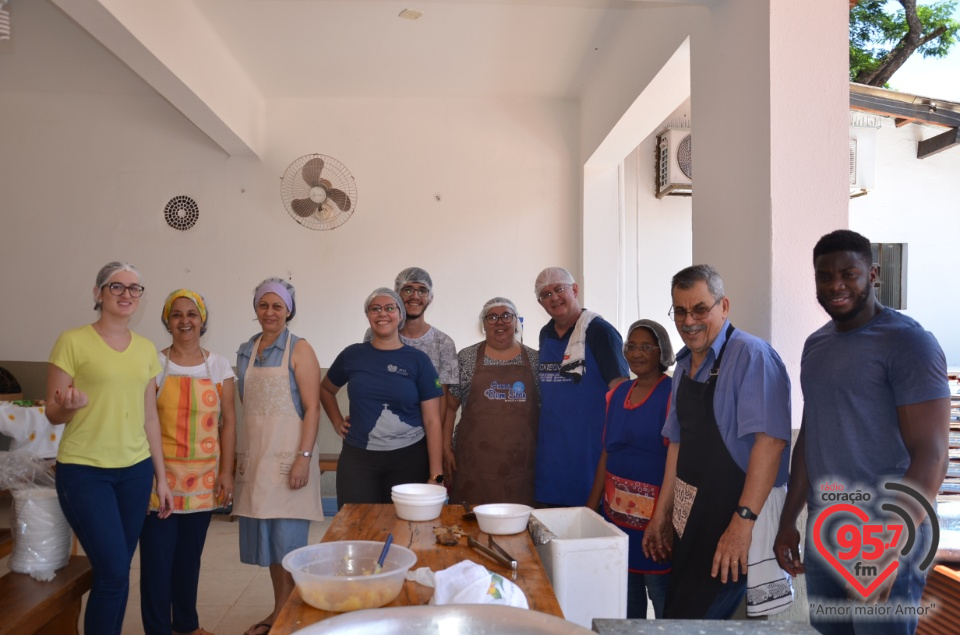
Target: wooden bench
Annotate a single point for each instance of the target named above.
(328, 462)
(31, 607)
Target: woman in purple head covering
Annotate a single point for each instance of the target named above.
(278, 478)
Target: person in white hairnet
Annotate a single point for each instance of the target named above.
(415, 288)
(491, 456)
(581, 359)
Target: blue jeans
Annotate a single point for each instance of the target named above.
(170, 550)
(105, 508)
(825, 589)
(641, 584)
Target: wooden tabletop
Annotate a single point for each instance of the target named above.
(374, 522)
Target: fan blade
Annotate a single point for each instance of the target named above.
(340, 198)
(327, 185)
(303, 207)
(311, 172)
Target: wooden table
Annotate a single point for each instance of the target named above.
(374, 522)
(29, 607)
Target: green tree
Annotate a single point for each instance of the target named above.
(881, 41)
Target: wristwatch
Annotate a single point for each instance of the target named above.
(306, 454)
(438, 479)
(746, 513)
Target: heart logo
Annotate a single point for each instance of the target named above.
(864, 591)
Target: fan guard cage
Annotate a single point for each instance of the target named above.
(318, 192)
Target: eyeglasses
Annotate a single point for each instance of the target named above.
(506, 318)
(639, 348)
(546, 295)
(117, 288)
(699, 312)
(409, 291)
(390, 309)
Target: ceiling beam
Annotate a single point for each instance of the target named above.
(176, 52)
(933, 145)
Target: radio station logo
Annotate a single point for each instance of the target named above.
(862, 548)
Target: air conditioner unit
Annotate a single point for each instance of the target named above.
(674, 162)
(863, 154)
(891, 284)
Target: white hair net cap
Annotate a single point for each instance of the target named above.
(552, 275)
(504, 302)
(413, 274)
(391, 294)
(663, 340)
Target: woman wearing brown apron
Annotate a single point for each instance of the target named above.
(278, 480)
(491, 458)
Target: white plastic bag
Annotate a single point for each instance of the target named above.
(469, 583)
(41, 535)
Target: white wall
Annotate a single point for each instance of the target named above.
(90, 155)
(915, 202)
(657, 240)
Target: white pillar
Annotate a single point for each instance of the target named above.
(769, 105)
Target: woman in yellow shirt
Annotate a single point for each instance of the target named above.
(101, 384)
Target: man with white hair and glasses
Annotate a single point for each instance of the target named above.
(581, 359)
(729, 432)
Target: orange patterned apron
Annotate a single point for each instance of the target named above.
(189, 409)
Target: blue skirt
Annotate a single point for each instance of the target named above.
(265, 541)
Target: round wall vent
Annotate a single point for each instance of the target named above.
(181, 213)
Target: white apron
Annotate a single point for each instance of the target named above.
(268, 445)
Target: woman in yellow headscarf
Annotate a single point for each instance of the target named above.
(198, 433)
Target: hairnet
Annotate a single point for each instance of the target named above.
(107, 271)
(552, 275)
(282, 288)
(498, 301)
(663, 340)
(190, 295)
(413, 274)
(391, 294)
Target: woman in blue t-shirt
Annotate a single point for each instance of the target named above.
(392, 434)
(630, 472)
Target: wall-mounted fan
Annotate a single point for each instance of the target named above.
(319, 192)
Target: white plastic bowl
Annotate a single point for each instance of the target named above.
(338, 576)
(419, 490)
(418, 510)
(418, 499)
(502, 518)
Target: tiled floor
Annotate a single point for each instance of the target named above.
(232, 596)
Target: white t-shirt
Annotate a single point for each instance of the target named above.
(219, 367)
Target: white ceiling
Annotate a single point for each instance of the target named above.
(362, 48)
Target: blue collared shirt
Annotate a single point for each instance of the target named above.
(752, 395)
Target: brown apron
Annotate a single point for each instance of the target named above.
(497, 435)
(267, 446)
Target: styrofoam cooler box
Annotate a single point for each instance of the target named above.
(586, 560)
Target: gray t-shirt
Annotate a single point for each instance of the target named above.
(853, 382)
(439, 347)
